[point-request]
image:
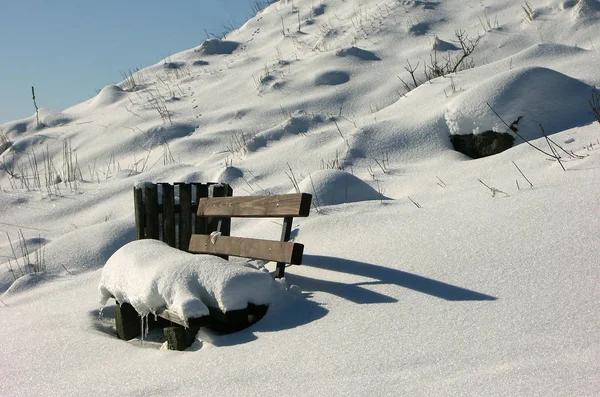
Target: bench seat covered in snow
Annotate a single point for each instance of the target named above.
(186, 289)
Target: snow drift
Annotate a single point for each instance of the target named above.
(540, 96)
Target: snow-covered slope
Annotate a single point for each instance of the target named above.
(426, 273)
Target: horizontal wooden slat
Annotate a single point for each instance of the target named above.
(256, 207)
(177, 319)
(268, 250)
(240, 318)
(172, 316)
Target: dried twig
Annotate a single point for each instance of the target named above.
(342, 135)
(516, 133)
(37, 116)
(443, 184)
(316, 202)
(595, 105)
(414, 202)
(555, 154)
(292, 178)
(530, 184)
(493, 189)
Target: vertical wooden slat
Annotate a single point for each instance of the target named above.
(222, 225)
(127, 321)
(168, 205)
(201, 224)
(156, 217)
(185, 215)
(139, 209)
(151, 196)
(286, 233)
(221, 191)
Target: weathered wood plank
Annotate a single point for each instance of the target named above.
(177, 319)
(127, 321)
(151, 202)
(225, 228)
(257, 207)
(185, 215)
(222, 225)
(286, 233)
(168, 204)
(172, 317)
(248, 248)
(179, 338)
(140, 213)
(200, 224)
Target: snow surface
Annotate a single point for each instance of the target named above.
(150, 276)
(417, 279)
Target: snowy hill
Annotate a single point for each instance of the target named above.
(426, 272)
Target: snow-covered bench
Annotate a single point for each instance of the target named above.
(150, 277)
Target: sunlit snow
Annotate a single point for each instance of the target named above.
(418, 278)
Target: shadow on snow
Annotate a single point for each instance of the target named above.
(384, 275)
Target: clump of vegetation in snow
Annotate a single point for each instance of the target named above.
(4, 142)
(595, 105)
(28, 263)
(447, 64)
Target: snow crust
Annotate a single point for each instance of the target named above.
(150, 276)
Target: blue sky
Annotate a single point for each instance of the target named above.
(67, 49)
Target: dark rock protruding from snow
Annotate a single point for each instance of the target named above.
(217, 47)
(358, 53)
(485, 144)
(173, 65)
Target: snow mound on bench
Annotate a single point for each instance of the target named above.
(151, 275)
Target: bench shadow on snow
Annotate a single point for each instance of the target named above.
(356, 293)
(301, 310)
(280, 316)
(289, 314)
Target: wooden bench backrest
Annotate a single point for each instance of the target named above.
(286, 206)
(278, 206)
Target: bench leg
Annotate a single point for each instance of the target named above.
(127, 321)
(180, 338)
(280, 270)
